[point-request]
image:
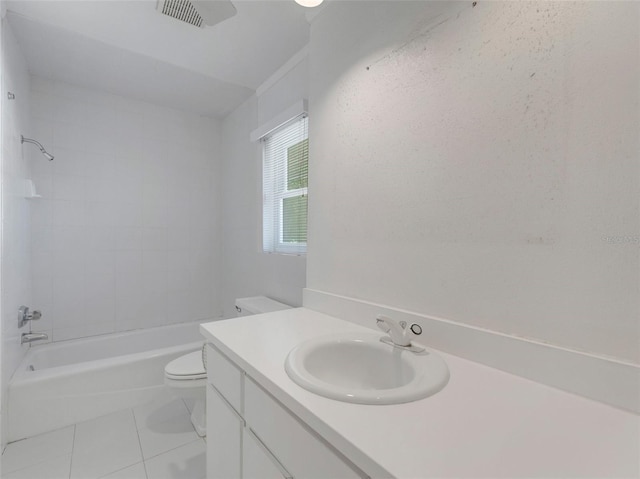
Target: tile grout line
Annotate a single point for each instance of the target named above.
(173, 449)
(40, 460)
(122, 469)
(144, 464)
(73, 448)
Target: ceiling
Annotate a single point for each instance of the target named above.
(128, 48)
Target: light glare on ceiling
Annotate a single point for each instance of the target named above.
(309, 3)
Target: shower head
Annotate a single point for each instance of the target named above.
(37, 143)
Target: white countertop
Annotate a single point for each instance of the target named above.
(484, 423)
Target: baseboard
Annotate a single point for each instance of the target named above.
(607, 380)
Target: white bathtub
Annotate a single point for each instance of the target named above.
(60, 384)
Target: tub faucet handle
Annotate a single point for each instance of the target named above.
(25, 315)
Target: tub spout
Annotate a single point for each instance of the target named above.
(30, 337)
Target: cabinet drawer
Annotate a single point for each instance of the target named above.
(257, 461)
(301, 451)
(225, 377)
(224, 438)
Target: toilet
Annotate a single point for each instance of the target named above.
(187, 376)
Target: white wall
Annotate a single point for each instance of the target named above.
(14, 257)
(479, 164)
(127, 233)
(247, 270)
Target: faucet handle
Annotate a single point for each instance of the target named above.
(24, 315)
(412, 332)
(383, 322)
(400, 335)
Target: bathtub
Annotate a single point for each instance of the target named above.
(59, 384)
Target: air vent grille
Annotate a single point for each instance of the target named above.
(182, 10)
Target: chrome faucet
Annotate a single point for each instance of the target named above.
(24, 315)
(30, 337)
(400, 334)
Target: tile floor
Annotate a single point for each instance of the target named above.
(154, 441)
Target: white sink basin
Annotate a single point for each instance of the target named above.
(359, 368)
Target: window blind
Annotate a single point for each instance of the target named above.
(285, 181)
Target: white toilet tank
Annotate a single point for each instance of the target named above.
(258, 305)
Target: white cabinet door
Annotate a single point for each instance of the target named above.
(224, 438)
(257, 461)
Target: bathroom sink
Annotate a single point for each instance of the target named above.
(360, 368)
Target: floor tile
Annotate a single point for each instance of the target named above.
(167, 435)
(105, 445)
(137, 471)
(165, 407)
(21, 454)
(185, 462)
(56, 468)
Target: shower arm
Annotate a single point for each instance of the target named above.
(38, 144)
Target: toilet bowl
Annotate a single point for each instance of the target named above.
(187, 375)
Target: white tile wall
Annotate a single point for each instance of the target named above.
(16, 287)
(127, 233)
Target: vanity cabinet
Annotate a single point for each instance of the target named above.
(224, 438)
(251, 435)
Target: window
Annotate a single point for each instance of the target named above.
(285, 180)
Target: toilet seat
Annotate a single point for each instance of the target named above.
(186, 368)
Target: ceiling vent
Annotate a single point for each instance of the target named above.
(199, 13)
